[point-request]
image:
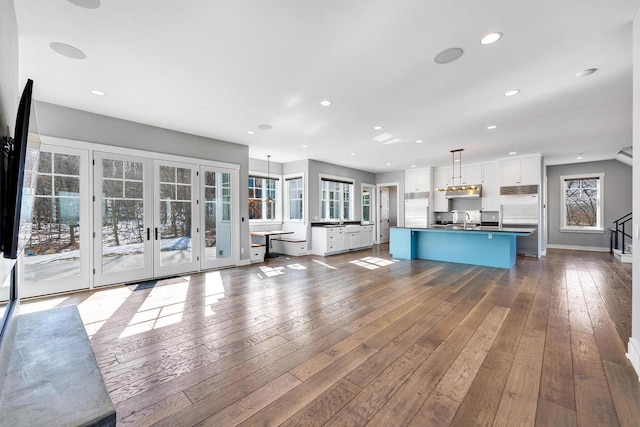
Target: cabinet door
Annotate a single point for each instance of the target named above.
(417, 180)
(510, 172)
(490, 187)
(530, 171)
(472, 174)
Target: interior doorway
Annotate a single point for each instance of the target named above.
(387, 211)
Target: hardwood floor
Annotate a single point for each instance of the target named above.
(361, 339)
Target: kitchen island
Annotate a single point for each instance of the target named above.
(488, 246)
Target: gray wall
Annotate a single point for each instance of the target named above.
(617, 200)
(8, 107)
(63, 122)
(316, 168)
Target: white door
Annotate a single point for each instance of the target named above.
(384, 215)
(218, 217)
(123, 218)
(57, 255)
(175, 231)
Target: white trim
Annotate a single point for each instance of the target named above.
(243, 262)
(585, 230)
(285, 198)
(578, 248)
(396, 184)
(372, 203)
(633, 354)
(72, 143)
(324, 177)
(563, 206)
(279, 181)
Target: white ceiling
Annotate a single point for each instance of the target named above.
(221, 68)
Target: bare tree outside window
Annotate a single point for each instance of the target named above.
(582, 202)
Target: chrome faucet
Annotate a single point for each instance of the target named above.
(467, 217)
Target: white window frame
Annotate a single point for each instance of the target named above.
(341, 180)
(599, 228)
(372, 192)
(277, 201)
(287, 196)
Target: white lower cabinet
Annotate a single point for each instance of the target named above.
(333, 240)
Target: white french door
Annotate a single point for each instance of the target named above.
(123, 220)
(175, 230)
(218, 195)
(57, 257)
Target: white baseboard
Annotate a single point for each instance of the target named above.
(578, 248)
(243, 262)
(633, 353)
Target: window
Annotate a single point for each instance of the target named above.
(582, 202)
(295, 198)
(366, 205)
(263, 198)
(336, 196)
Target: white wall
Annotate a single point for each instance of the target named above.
(634, 341)
(8, 108)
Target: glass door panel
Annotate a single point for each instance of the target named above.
(175, 225)
(218, 248)
(56, 258)
(122, 215)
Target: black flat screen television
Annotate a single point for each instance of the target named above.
(20, 155)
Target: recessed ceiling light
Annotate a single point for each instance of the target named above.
(87, 4)
(491, 38)
(378, 127)
(512, 92)
(586, 72)
(579, 156)
(456, 160)
(388, 164)
(413, 166)
(419, 141)
(325, 103)
(305, 146)
(448, 55)
(251, 132)
(264, 127)
(97, 92)
(491, 127)
(512, 153)
(67, 50)
(353, 154)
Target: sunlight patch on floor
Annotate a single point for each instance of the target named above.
(163, 306)
(297, 266)
(270, 271)
(373, 263)
(325, 264)
(213, 292)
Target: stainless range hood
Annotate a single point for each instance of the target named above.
(463, 192)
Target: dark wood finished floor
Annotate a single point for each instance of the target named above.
(360, 339)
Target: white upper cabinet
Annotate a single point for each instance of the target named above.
(441, 178)
(490, 186)
(522, 171)
(472, 174)
(417, 180)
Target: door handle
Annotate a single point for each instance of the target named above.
(156, 233)
(148, 233)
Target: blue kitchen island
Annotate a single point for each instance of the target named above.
(489, 246)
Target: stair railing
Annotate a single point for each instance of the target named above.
(619, 230)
